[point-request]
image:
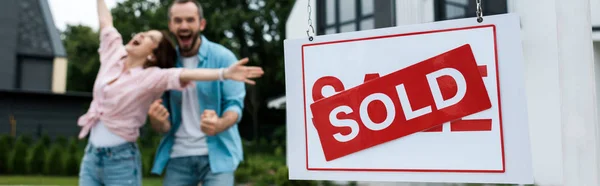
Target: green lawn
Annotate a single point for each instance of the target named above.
(44, 180)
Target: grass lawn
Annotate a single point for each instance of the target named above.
(47, 180)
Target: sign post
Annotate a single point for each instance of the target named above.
(434, 102)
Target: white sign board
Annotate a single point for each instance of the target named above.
(435, 102)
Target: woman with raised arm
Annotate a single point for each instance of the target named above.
(128, 81)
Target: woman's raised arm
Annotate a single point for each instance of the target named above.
(104, 16)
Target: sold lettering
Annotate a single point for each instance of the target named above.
(425, 95)
(409, 113)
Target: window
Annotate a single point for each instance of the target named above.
(34, 74)
(337, 16)
(456, 9)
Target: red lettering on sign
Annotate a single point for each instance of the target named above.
(467, 125)
(471, 125)
(404, 102)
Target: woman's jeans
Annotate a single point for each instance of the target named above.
(118, 165)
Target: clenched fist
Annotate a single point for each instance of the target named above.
(158, 112)
(210, 123)
(159, 116)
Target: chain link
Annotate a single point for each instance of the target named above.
(310, 38)
(479, 11)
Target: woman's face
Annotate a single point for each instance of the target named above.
(142, 44)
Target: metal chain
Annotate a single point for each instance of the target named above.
(479, 11)
(310, 38)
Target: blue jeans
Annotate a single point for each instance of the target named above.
(188, 171)
(118, 165)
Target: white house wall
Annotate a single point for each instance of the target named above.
(297, 22)
(595, 12)
(414, 11)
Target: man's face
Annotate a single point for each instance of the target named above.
(185, 23)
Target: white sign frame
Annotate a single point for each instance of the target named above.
(517, 165)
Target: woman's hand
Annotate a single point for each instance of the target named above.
(238, 72)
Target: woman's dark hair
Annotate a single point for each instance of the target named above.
(165, 53)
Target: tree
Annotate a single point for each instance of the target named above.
(81, 44)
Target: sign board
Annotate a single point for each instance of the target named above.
(435, 102)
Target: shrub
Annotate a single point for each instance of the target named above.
(279, 132)
(17, 163)
(9, 140)
(327, 183)
(26, 139)
(61, 141)
(243, 175)
(45, 140)
(71, 165)
(36, 158)
(71, 159)
(6, 149)
(54, 163)
(147, 160)
(282, 179)
(266, 169)
(279, 151)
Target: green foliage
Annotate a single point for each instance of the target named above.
(45, 140)
(282, 179)
(61, 141)
(71, 158)
(81, 44)
(6, 147)
(10, 141)
(54, 160)
(17, 163)
(36, 158)
(279, 151)
(25, 139)
(148, 160)
(266, 167)
(327, 183)
(133, 16)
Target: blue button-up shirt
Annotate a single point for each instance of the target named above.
(224, 149)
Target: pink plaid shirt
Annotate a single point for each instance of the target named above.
(123, 105)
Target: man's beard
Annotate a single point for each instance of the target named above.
(188, 50)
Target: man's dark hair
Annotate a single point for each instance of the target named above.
(200, 11)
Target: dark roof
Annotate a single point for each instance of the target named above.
(37, 34)
(54, 33)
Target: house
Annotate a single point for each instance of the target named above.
(33, 97)
(551, 103)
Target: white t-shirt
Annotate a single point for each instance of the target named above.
(100, 136)
(189, 139)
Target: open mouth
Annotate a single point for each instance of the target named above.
(135, 43)
(186, 40)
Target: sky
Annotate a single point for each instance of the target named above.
(76, 12)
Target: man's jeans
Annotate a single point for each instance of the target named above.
(185, 171)
(118, 165)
